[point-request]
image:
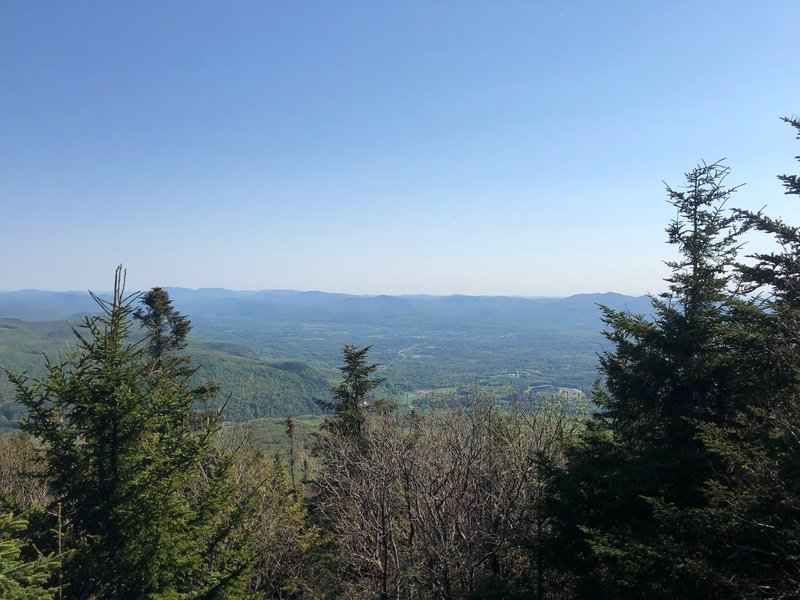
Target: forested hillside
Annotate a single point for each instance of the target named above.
(274, 353)
(250, 386)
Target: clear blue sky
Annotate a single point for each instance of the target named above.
(497, 147)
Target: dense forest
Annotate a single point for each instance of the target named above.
(274, 353)
(680, 480)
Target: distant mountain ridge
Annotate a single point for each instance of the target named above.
(276, 352)
(42, 305)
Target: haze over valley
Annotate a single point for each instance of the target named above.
(276, 352)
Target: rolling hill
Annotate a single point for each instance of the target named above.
(274, 352)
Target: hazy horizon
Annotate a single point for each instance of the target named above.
(314, 291)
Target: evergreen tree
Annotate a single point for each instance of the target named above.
(167, 328)
(143, 490)
(342, 447)
(754, 501)
(166, 331)
(22, 579)
(351, 394)
(639, 466)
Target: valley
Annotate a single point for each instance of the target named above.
(276, 353)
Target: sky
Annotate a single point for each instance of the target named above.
(503, 147)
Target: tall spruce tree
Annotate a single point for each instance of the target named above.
(143, 491)
(616, 509)
(754, 500)
(166, 331)
(351, 394)
(166, 328)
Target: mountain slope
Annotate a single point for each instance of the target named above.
(275, 352)
(251, 386)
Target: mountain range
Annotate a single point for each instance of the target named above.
(275, 352)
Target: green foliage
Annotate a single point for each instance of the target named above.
(255, 388)
(166, 328)
(640, 462)
(687, 482)
(22, 579)
(144, 493)
(250, 386)
(753, 517)
(289, 549)
(350, 396)
(290, 343)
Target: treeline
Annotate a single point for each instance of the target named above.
(251, 386)
(123, 494)
(683, 483)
